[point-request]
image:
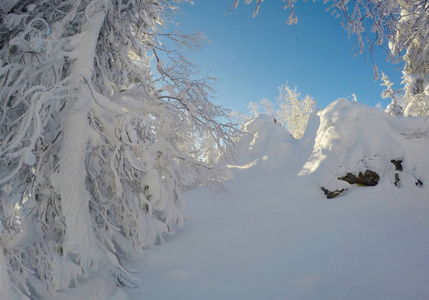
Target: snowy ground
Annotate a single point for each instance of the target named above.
(279, 240)
(274, 235)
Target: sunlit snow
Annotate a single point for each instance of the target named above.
(274, 235)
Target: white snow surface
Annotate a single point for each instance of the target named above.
(274, 235)
(353, 137)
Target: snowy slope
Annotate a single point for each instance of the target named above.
(274, 235)
(278, 244)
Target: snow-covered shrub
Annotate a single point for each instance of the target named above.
(95, 146)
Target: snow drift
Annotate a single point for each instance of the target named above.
(276, 236)
(264, 142)
(354, 138)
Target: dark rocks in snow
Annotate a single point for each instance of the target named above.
(398, 167)
(398, 164)
(329, 194)
(397, 179)
(369, 178)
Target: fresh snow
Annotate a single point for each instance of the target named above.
(274, 235)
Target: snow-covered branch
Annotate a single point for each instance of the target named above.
(95, 145)
(399, 27)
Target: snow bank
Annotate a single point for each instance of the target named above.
(353, 138)
(345, 138)
(264, 142)
(275, 236)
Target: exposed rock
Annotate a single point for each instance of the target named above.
(419, 183)
(398, 164)
(397, 179)
(329, 194)
(369, 178)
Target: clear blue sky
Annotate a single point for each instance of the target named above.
(252, 57)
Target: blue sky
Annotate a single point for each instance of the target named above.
(252, 57)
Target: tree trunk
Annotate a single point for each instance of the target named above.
(80, 239)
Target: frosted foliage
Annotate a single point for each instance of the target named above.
(254, 108)
(95, 147)
(268, 106)
(399, 27)
(395, 108)
(411, 39)
(294, 111)
(289, 110)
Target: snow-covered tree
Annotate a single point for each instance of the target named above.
(293, 110)
(267, 106)
(254, 108)
(95, 144)
(398, 26)
(289, 110)
(411, 36)
(395, 108)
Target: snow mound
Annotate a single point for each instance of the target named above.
(353, 137)
(264, 143)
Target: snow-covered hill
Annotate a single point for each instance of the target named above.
(274, 234)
